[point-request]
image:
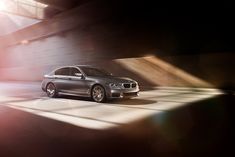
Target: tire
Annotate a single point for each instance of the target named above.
(51, 90)
(98, 94)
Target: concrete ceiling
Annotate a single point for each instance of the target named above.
(62, 4)
(11, 23)
(176, 28)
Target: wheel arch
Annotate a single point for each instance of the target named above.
(105, 91)
(99, 85)
(55, 94)
(51, 83)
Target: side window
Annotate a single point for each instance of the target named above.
(62, 71)
(74, 71)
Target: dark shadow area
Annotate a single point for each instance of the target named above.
(201, 128)
(197, 129)
(214, 68)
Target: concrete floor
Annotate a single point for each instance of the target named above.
(165, 121)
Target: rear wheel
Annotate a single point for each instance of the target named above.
(51, 90)
(98, 93)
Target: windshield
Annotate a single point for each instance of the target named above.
(89, 71)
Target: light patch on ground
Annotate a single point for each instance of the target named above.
(93, 115)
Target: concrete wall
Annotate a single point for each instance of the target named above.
(215, 68)
(89, 35)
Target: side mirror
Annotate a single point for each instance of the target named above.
(78, 74)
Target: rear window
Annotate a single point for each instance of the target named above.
(94, 71)
(62, 71)
(74, 71)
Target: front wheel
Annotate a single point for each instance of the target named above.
(51, 90)
(98, 93)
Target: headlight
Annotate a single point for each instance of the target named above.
(115, 85)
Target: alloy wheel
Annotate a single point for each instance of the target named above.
(98, 93)
(51, 90)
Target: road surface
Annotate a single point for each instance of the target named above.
(163, 121)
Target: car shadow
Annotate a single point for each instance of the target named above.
(75, 98)
(113, 101)
(131, 101)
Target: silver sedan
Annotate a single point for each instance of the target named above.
(88, 81)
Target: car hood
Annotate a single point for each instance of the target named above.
(113, 79)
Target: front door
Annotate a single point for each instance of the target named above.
(78, 84)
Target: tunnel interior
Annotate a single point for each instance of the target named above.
(181, 55)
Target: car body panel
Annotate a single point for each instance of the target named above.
(82, 85)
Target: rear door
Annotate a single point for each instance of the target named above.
(62, 78)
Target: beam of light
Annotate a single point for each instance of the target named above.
(11, 21)
(25, 8)
(161, 73)
(3, 6)
(92, 115)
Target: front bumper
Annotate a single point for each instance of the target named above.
(123, 93)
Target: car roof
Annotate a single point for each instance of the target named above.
(83, 65)
(67, 66)
(79, 66)
(88, 66)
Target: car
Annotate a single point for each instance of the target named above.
(88, 81)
